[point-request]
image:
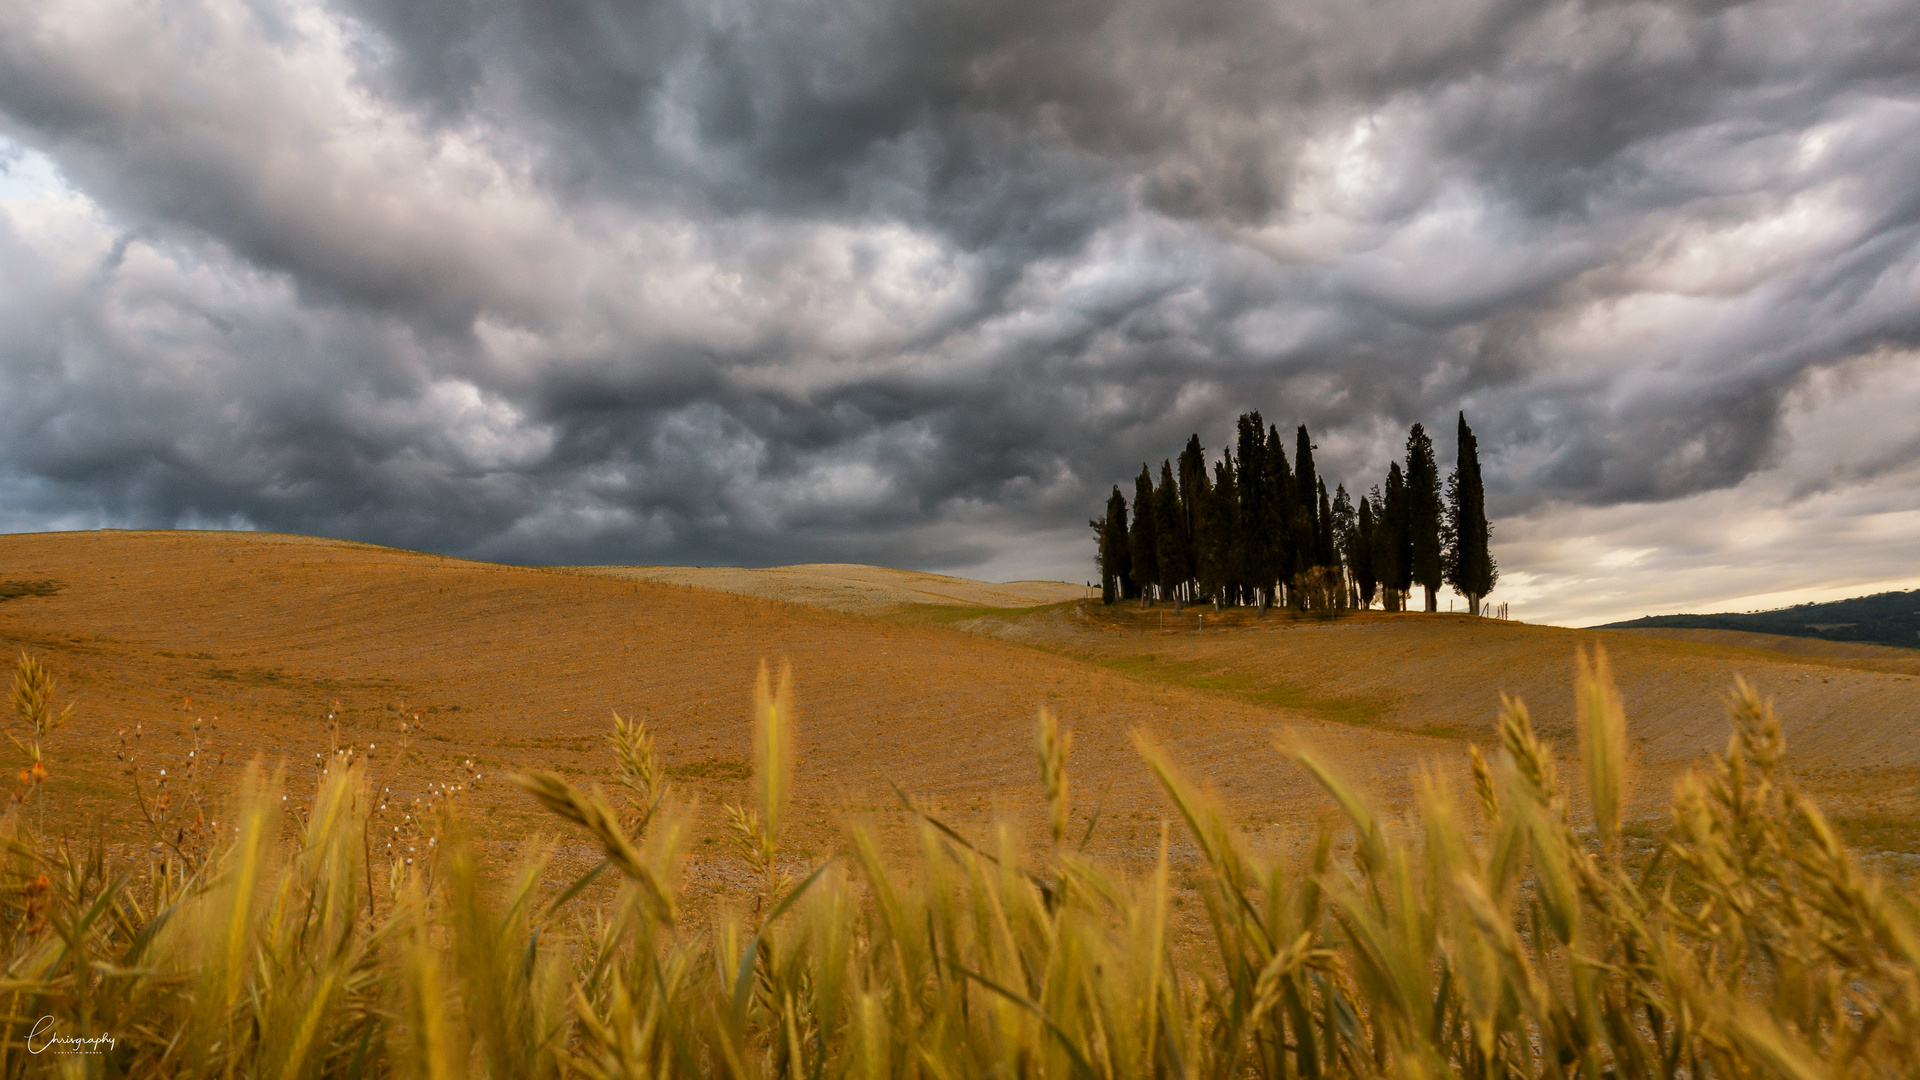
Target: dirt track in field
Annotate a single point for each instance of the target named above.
(513, 668)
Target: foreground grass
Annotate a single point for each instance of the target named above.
(1499, 935)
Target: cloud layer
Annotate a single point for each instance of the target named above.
(914, 282)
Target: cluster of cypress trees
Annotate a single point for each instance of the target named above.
(1256, 530)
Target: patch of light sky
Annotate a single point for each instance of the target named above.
(27, 175)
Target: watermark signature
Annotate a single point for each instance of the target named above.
(44, 1040)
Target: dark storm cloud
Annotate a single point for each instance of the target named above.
(913, 282)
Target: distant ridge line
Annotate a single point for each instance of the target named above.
(1889, 618)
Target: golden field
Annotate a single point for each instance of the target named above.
(427, 664)
(442, 889)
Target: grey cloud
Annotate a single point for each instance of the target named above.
(914, 282)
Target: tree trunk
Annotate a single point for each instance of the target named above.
(1433, 599)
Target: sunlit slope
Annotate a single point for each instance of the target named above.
(511, 667)
(850, 586)
(1853, 721)
(1780, 643)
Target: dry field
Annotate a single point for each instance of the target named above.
(929, 683)
(850, 586)
(443, 671)
(1851, 713)
(262, 636)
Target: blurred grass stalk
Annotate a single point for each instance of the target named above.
(1511, 940)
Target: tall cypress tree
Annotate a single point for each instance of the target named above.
(1216, 533)
(1143, 543)
(1196, 489)
(1346, 534)
(1115, 583)
(1394, 554)
(1256, 542)
(1193, 502)
(1363, 571)
(1174, 554)
(1424, 513)
(1226, 496)
(1306, 486)
(1323, 542)
(1279, 522)
(1470, 566)
(1302, 530)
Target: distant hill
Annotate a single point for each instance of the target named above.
(1891, 618)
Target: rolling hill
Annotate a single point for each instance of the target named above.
(445, 671)
(1891, 618)
(282, 645)
(849, 586)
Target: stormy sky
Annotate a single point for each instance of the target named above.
(913, 282)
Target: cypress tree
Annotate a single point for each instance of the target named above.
(1114, 564)
(1362, 555)
(1215, 535)
(1193, 503)
(1226, 497)
(1279, 523)
(1197, 502)
(1394, 553)
(1206, 554)
(1470, 565)
(1302, 530)
(1306, 486)
(1424, 513)
(1323, 542)
(1256, 542)
(1143, 544)
(1174, 556)
(1346, 535)
(1385, 549)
